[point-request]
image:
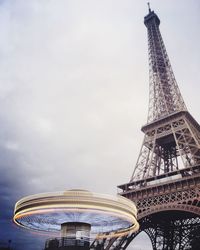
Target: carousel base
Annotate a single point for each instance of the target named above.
(65, 243)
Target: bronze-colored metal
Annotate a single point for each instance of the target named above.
(165, 184)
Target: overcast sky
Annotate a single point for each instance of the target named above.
(74, 93)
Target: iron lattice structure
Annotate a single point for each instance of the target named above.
(165, 184)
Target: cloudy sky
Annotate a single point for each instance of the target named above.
(74, 94)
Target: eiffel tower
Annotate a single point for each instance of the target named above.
(165, 184)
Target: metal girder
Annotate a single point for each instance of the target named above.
(169, 145)
(166, 230)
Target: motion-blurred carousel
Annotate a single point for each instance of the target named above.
(75, 218)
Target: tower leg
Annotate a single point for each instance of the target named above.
(173, 233)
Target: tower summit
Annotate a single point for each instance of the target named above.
(164, 95)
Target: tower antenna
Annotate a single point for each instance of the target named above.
(149, 7)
